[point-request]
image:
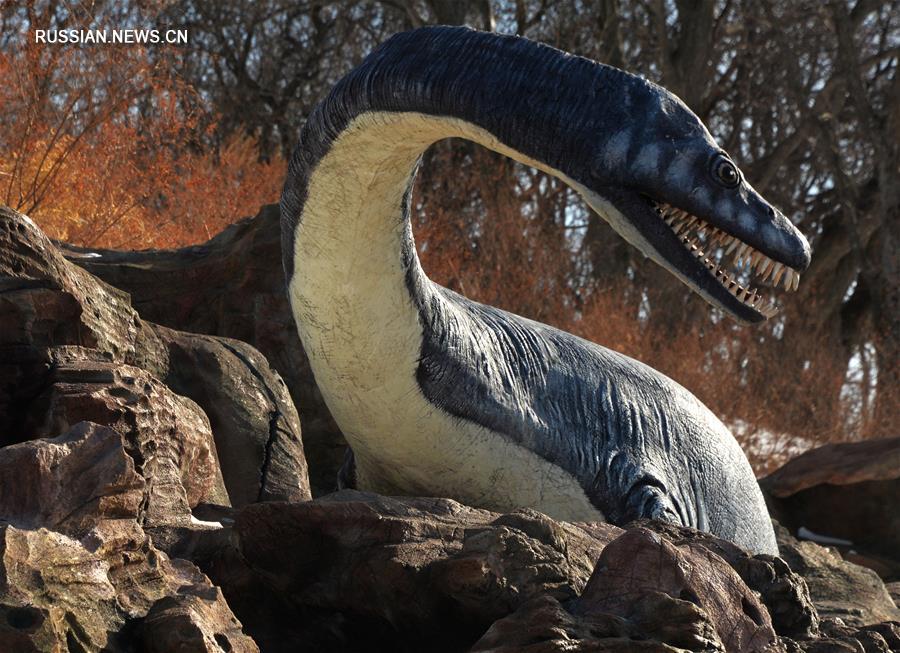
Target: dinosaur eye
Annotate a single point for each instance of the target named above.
(725, 172)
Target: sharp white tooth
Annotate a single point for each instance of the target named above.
(795, 281)
(734, 244)
(764, 267)
(788, 279)
(776, 276)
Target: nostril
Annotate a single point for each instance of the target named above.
(771, 212)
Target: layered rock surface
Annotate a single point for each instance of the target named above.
(231, 286)
(108, 447)
(64, 332)
(154, 497)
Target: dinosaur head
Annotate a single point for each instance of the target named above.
(664, 184)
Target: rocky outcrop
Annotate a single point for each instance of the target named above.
(355, 570)
(683, 595)
(848, 491)
(231, 286)
(66, 335)
(782, 590)
(61, 594)
(251, 413)
(106, 451)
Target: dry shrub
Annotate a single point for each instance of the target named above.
(107, 146)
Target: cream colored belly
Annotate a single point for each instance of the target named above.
(403, 444)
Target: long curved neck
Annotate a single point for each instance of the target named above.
(349, 256)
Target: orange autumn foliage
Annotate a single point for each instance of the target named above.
(106, 147)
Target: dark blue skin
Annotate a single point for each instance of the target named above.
(639, 444)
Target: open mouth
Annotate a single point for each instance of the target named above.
(713, 248)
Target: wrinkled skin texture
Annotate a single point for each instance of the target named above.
(634, 442)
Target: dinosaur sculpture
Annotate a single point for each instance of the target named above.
(439, 395)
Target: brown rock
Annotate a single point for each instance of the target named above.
(843, 463)
(61, 594)
(197, 620)
(46, 302)
(61, 326)
(70, 482)
(848, 490)
(838, 588)
(380, 569)
(231, 286)
(167, 436)
(894, 590)
(253, 418)
(838, 636)
(543, 625)
(783, 591)
(641, 575)
(56, 595)
(521, 555)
